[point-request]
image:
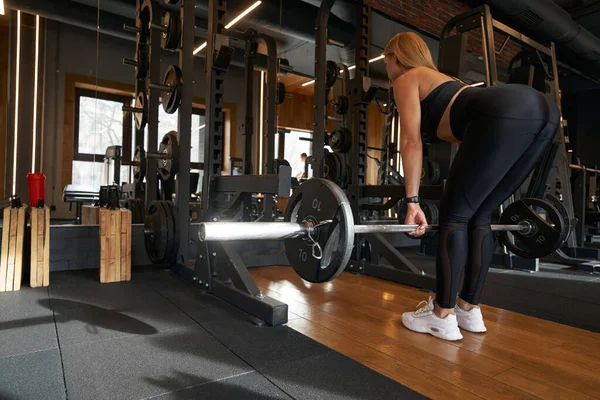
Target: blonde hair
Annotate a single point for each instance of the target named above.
(410, 51)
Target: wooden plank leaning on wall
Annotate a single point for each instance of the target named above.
(297, 113)
(73, 82)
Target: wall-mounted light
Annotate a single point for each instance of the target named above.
(1, 7)
(17, 78)
(232, 23)
(260, 122)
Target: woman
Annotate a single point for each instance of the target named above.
(502, 131)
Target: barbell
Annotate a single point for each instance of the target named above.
(319, 230)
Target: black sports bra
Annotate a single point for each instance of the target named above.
(433, 107)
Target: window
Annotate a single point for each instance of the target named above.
(100, 123)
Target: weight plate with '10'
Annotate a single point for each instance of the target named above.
(318, 200)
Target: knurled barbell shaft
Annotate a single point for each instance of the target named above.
(231, 231)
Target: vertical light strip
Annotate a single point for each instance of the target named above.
(1, 7)
(260, 122)
(35, 91)
(17, 77)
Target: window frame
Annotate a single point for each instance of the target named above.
(127, 123)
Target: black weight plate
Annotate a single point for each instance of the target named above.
(172, 37)
(286, 62)
(141, 118)
(280, 93)
(332, 74)
(145, 20)
(434, 172)
(139, 167)
(141, 211)
(172, 99)
(560, 207)
(169, 167)
(545, 237)
(341, 105)
(173, 235)
(320, 200)
(143, 63)
(155, 233)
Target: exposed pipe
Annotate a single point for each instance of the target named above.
(553, 23)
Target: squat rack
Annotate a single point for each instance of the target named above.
(554, 165)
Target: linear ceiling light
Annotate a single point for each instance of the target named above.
(372, 60)
(232, 23)
(35, 90)
(16, 123)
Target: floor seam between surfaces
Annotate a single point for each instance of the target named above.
(539, 292)
(29, 352)
(224, 345)
(62, 363)
(200, 384)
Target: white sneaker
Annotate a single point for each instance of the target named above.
(471, 320)
(424, 320)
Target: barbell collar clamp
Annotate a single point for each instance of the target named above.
(132, 109)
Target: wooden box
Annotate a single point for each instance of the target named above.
(115, 245)
(40, 247)
(11, 256)
(90, 215)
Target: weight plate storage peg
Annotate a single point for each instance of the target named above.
(548, 232)
(168, 166)
(172, 36)
(321, 258)
(171, 99)
(160, 234)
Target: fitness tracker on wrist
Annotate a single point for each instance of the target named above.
(414, 199)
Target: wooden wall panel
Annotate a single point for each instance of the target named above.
(376, 127)
(296, 112)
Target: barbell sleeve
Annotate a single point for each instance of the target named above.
(231, 231)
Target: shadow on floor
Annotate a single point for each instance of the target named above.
(103, 318)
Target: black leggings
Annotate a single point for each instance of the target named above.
(504, 131)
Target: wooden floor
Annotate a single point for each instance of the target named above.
(519, 357)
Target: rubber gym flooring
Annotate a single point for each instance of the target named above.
(156, 337)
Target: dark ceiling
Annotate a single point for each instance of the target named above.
(294, 43)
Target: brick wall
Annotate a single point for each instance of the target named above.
(431, 15)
